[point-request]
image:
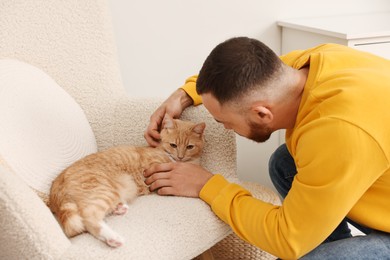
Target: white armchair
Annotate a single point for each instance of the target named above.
(72, 42)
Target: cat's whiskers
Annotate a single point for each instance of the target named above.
(170, 157)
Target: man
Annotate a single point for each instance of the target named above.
(334, 103)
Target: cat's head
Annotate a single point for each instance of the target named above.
(182, 140)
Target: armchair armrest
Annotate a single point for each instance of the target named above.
(26, 223)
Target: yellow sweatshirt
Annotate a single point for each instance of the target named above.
(341, 146)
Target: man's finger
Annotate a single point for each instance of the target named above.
(152, 138)
(156, 168)
(157, 117)
(155, 177)
(166, 191)
(160, 183)
(154, 133)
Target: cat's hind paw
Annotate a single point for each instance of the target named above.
(115, 242)
(109, 236)
(121, 209)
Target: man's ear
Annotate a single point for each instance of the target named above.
(263, 113)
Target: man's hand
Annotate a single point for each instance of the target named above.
(175, 178)
(173, 106)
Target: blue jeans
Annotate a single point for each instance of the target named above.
(340, 244)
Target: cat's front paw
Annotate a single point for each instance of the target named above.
(143, 190)
(121, 209)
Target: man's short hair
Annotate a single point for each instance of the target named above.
(236, 67)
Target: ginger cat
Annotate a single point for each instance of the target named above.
(103, 183)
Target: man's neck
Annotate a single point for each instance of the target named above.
(292, 105)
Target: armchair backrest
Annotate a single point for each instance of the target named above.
(73, 42)
(70, 40)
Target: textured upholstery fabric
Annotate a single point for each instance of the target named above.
(28, 229)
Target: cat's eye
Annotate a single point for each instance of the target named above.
(173, 145)
(190, 146)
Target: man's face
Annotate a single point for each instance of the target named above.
(241, 123)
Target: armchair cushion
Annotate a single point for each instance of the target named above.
(43, 129)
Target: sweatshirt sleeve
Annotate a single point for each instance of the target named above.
(190, 88)
(322, 194)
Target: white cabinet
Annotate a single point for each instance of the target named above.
(366, 32)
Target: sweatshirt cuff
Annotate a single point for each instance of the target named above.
(213, 188)
(190, 88)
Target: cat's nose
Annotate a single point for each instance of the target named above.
(180, 157)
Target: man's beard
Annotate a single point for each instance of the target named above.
(259, 133)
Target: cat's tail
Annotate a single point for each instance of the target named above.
(72, 223)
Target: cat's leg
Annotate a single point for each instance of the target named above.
(93, 220)
(143, 189)
(110, 236)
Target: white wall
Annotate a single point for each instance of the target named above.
(160, 43)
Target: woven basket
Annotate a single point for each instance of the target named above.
(234, 248)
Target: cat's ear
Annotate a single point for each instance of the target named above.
(199, 128)
(168, 122)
